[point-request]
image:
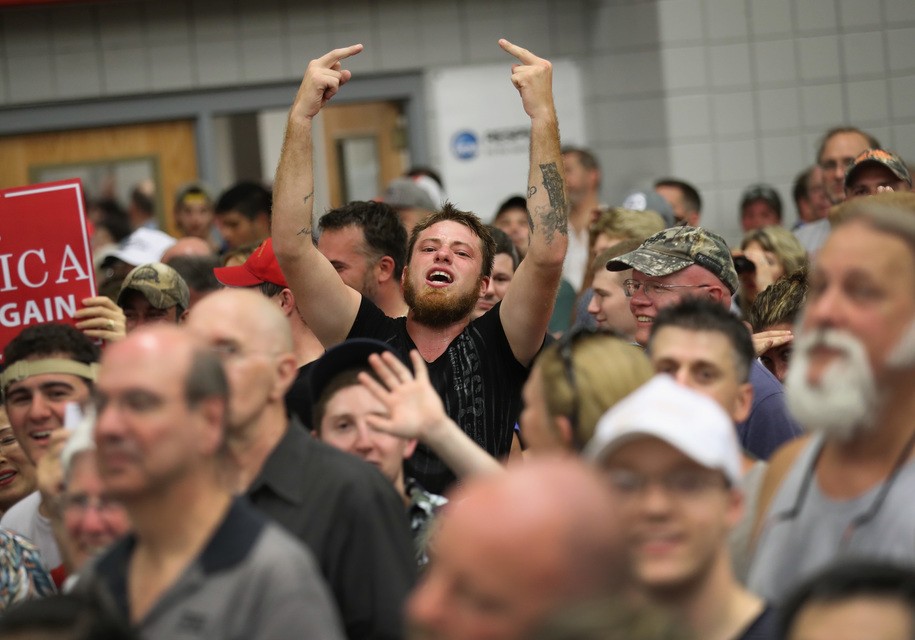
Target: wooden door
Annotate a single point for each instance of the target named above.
(167, 150)
(364, 148)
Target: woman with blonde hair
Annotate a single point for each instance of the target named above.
(572, 384)
(770, 253)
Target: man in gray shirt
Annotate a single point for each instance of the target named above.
(200, 564)
(847, 489)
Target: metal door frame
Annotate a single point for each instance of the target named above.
(203, 106)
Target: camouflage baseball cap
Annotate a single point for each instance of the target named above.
(161, 285)
(884, 158)
(675, 249)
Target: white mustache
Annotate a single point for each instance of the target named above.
(830, 338)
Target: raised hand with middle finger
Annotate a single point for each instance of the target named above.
(323, 78)
(534, 80)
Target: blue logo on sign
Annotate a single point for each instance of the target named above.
(465, 145)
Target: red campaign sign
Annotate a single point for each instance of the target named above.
(45, 261)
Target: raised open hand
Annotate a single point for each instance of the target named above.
(414, 408)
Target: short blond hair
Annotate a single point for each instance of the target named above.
(606, 368)
(782, 243)
(626, 224)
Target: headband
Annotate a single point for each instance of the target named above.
(23, 369)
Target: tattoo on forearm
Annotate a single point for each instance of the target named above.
(306, 230)
(530, 221)
(556, 217)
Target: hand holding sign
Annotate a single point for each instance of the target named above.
(46, 264)
(101, 318)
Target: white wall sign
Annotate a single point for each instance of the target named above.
(482, 133)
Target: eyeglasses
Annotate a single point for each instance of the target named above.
(684, 485)
(78, 504)
(655, 289)
(832, 165)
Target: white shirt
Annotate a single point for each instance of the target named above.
(573, 268)
(24, 519)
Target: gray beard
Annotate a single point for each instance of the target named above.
(844, 403)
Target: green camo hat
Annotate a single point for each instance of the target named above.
(675, 249)
(161, 285)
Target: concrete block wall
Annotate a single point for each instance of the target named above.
(720, 92)
(730, 92)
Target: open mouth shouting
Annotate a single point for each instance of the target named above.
(439, 278)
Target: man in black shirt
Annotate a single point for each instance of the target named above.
(478, 367)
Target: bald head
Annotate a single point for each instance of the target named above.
(165, 342)
(253, 337)
(263, 323)
(177, 351)
(528, 541)
(162, 403)
(561, 504)
(188, 246)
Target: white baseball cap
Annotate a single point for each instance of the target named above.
(143, 246)
(692, 423)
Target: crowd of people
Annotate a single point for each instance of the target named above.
(392, 420)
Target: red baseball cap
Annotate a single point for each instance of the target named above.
(261, 266)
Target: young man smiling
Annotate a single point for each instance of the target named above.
(478, 368)
(671, 459)
(46, 367)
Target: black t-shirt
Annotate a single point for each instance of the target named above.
(477, 377)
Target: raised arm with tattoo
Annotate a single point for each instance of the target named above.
(309, 274)
(528, 304)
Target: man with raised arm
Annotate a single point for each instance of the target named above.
(477, 367)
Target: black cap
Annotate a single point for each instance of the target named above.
(762, 192)
(349, 354)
